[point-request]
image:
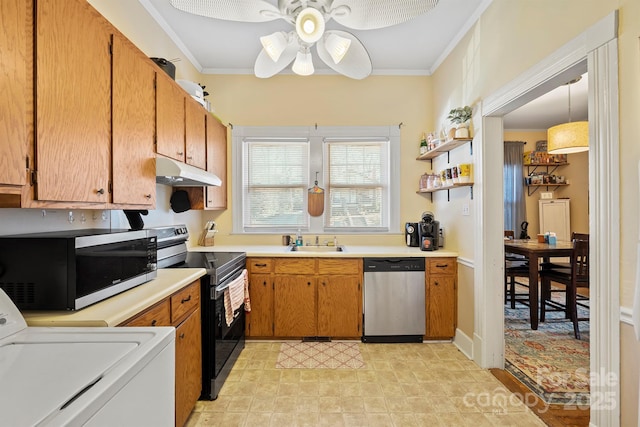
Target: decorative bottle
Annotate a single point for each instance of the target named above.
(423, 144)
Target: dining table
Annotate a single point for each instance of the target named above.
(534, 250)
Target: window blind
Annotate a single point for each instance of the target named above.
(275, 177)
(358, 184)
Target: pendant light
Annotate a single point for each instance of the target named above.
(570, 137)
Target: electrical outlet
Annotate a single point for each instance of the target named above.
(465, 209)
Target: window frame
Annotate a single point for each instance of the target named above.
(317, 136)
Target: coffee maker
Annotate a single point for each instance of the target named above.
(411, 236)
(428, 232)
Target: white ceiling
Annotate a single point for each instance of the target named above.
(416, 47)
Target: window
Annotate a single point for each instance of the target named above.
(358, 184)
(274, 168)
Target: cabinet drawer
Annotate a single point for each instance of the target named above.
(441, 266)
(157, 315)
(184, 301)
(339, 266)
(295, 265)
(260, 265)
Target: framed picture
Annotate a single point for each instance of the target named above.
(541, 146)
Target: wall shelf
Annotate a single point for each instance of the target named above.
(447, 188)
(550, 168)
(445, 147)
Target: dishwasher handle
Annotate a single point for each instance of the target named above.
(394, 264)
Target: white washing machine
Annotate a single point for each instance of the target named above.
(84, 376)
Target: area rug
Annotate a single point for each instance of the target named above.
(320, 355)
(549, 361)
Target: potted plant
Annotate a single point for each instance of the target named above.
(460, 117)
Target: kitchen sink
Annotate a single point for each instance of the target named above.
(313, 248)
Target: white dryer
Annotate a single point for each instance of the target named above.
(84, 376)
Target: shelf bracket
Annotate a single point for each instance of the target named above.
(471, 191)
(471, 150)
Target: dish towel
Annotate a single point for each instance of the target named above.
(247, 300)
(234, 296)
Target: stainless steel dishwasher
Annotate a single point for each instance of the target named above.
(394, 300)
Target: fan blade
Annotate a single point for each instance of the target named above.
(265, 67)
(230, 10)
(356, 62)
(372, 14)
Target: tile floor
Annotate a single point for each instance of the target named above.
(431, 384)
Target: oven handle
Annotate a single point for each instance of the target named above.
(221, 287)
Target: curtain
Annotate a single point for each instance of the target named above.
(514, 203)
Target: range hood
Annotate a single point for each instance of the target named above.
(175, 173)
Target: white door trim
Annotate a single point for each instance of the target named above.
(594, 51)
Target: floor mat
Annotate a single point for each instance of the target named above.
(549, 361)
(319, 355)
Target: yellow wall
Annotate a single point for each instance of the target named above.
(577, 172)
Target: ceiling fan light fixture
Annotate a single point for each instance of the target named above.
(274, 44)
(303, 65)
(337, 47)
(310, 25)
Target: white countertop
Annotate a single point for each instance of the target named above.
(118, 308)
(350, 251)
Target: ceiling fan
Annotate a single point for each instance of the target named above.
(340, 50)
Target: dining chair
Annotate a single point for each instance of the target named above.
(560, 264)
(515, 266)
(573, 278)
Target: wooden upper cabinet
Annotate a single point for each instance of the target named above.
(216, 197)
(73, 108)
(134, 168)
(195, 134)
(170, 118)
(13, 87)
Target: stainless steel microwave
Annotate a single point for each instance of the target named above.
(69, 270)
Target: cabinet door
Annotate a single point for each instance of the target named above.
(260, 319)
(13, 87)
(73, 112)
(169, 118)
(441, 306)
(195, 134)
(294, 306)
(217, 162)
(188, 366)
(134, 172)
(555, 217)
(339, 306)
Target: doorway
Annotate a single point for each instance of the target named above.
(594, 51)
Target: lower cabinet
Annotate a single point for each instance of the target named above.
(182, 310)
(441, 297)
(322, 297)
(294, 305)
(305, 297)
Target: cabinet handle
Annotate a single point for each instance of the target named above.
(436, 283)
(324, 284)
(100, 191)
(180, 153)
(186, 300)
(148, 196)
(264, 283)
(442, 265)
(153, 322)
(189, 157)
(260, 265)
(182, 336)
(308, 283)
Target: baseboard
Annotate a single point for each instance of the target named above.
(464, 343)
(626, 315)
